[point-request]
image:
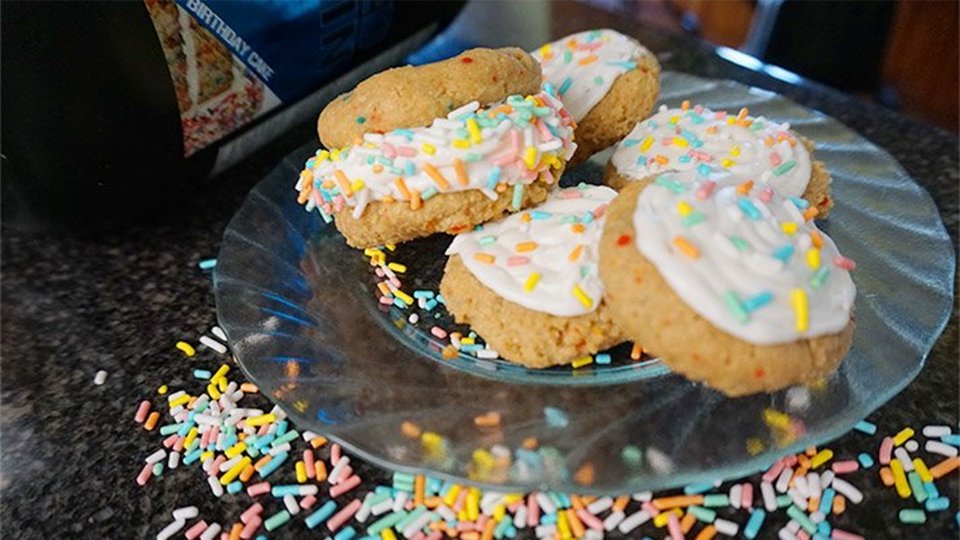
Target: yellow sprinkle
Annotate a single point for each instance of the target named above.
(820, 458)
(524, 247)
(261, 420)
(499, 512)
(900, 479)
(661, 519)
(206, 455)
(681, 142)
(474, 130)
(468, 341)
(182, 400)
(220, 373)
(922, 471)
(370, 252)
(191, 435)
(674, 119)
(813, 258)
(903, 436)
(301, 471)
(582, 297)
(684, 208)
(735, 151)
(405, 297)
(235, 450)
(647, 143)
(790, 228)
(484, 258)
(798, 297)
(186, 348)
(776, 419)
(461, 143)
(222, 384)
(162, 390)
(686, 247)
(530, 157)
(387, 534)
(397, 267)
(563, 528)
(428, 149)
(726, 163)
(357, 185)
(335, 154)
(754, 446)
(391, 247)
(452, 495)
(575, 254)
(234, 471)
(323, 155)
(582, 361)
(212, 390)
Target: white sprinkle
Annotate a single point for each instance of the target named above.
(215, 486)
(814, 489)
(185, 513)
(935, 432)
(446, 513)
(213, 344)
(643, 496)
(399, 501)
(382, 507)
(912, 445)
(784, 481)
(600, 505)
(464, 109)
(800, 484)
(817, 516)
(847, 490)
(413, 318)
(414, 526)
(904, 458)
(100, 377)
(290, 502)
(593, 534)
(217, 331)
(285, 447)
(337, 470)
(797, 499)
(176, 395)
(826, 479)
(938, 447)
(635, 520)
(211, 532)
(798, 399)
(793, 526)
(784, 534)
(545, 503)
(174, 460)
(487, 354)
(660, 462)
(228, 464)
(171, 529)
(613, 520)
(546, 531)
(769, 498)
(736, 495)
(156, 457)
(725, 527)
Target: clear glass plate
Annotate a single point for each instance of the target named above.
(300, 310)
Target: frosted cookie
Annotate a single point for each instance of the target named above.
(529, 285)
(698, 138)
(408, 96)
(607, 81)
(468, 167)
(728, 282)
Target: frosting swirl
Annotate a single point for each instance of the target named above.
(506, 145)
(584, 66)
(748, 260)
(546, 258)
(699, 138)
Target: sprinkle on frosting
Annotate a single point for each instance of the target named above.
(545, 259)
(584, 66)
(510, 143)
(755, 269)
(696, 138)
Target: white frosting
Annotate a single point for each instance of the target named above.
(505, 146)
(681, 140)
(741, 242)
(583, 67)
(557, 243)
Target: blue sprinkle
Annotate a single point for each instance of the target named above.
(321, 514)
(931, 490)
(784, 252)
(207, 264)
(698, 488)
(555, 417)
(642, 160)
(826, 501)
(674, 186)
(625, 64)
(602, 358)
(428, 193)
(758, 301)
(493, 178)
(937, 505)
(703, 169)
(202, 374)
(539, 215)
(404, 133)
(565, 85)
(799, 202)
(866, 461)
(684, 159)
(409, 168)
(952, 440)
(866, 427)
(549, 88)
(749, 209)
(587, 217)
(752, 528)
(627, 143)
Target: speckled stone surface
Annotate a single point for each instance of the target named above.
(73, 304)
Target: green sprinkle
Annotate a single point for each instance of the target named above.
(784, 501)
(598, 80)
(385, 523)
(276, 520)
(674, 186)
(486, 240)
(632, 455)
(818, 277)
(517, 196)
(703, 514)
(471, 157)
(567, 57)
(916, 486)
(739, 243)
(716, 501)
(361, 119)
(800, 517)
(912, 516)
(694, 218)
(784, 167)
(735, 307)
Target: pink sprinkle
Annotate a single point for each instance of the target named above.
(504, 159)
(386, 301)
(461, 499)
(480, 523)
(419, 536)
(515, 141)
(844, 467)
(405, 151)
(599, 211)
(840, 534)
(379, 272)
(168, 442)
(590, 520)
(142, 412)
(517, 260)
(886, 447)
(307, 502)
(844, 262)
(251, 527)
(178, 446)
(721, 115)
(571, 194)
(438, 332)
(396, 282)
(775, 159)
(802, 535)
(258, 489)
(766, 194)
(389, 150)
(544, 132)
(790, 460)
(673, 525)
(650, 509)
(525, 173)
(254, 510)
(214, 433)
(667, 141)
(215, 468)
(435, 535)
(592, 46)
(196, 530)
(345, 486)
(145, 473)
(263, 430)
(464, 526)
(310, 463)
(533, 510)
(548, 177)
(343, 515)
(746, 497)
(205, 438)
(773, 472)
(706, 189)
(344, 474)
(514, 506)
(698, 109)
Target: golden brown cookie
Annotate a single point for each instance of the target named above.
(409, 97)
(607, 81)
(649, 309)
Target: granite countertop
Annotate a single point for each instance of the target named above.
(76, 303)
